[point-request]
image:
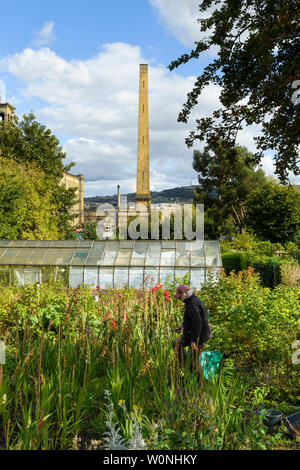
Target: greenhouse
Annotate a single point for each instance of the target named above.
(111, 263)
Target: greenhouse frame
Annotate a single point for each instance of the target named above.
(108, 263)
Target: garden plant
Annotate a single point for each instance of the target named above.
(87, 368)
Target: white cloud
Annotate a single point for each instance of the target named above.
(2, 92)
(92, 106)
(269, 169)
(267, 165)
(179, 17)
(45, 36)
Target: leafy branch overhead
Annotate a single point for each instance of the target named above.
(257, 68)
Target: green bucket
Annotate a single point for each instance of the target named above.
(210, 362)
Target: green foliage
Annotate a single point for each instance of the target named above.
(250, 242)
(27, 210)
(33, 153)
(246, 250)
(266, 266)
(233, 262)
(273, 212)
(65, 348)
(257, 63)
(29, 141)
(225, 180)
(256, 326)
(289, 272)
(90, 231)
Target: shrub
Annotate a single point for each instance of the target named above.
(233, 262)
(289, 272)
(266, 266)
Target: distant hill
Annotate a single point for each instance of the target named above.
(179, 194)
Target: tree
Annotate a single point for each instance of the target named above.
(258, 70)
(225, 180)
(26, 207)
(30, 142)
(90, 231)
(273, 212)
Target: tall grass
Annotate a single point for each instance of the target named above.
(64, 350)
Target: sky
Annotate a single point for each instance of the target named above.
(75, 65)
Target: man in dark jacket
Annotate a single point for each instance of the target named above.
(195, 327)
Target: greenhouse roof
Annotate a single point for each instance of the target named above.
(111, 253)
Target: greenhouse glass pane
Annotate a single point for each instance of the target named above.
(58, 243)
(167, 257)
(183, 254)
(32, 274)
(62, 273)
(75, 277)
(79, 257)
(47, 274)
(153, 278)
(51, 256)
(120, 277)
(46, 243)
(91, 276)
(36, 256)
(4, 276)
(153, 254)
(33, 243)
(2, 250)
(166, 274)
(136, 277)
(197, 253)
(5, 242)
(126, 243)
(8, 256)
(106, 278)
(98, 246)
(85, 243)
(93, 260)
(18, 243)
(109, 255)
(181, 272)
(139, 254)
(168, 244)
(197, 278)
(65, 256)
(26, 275)
(123, 257)
(70, 243)
(23, 255)
(95, 254)
(212, 253)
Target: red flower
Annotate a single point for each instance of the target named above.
(153, 289)
(166, 293)
(113, 323)
(167, 298)
(158, 286)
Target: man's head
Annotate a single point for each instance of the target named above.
(182, 292)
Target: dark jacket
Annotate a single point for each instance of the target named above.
(195, 321)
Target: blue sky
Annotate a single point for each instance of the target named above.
(82, 27)
(75, 65)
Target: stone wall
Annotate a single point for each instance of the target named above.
(71, 181)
